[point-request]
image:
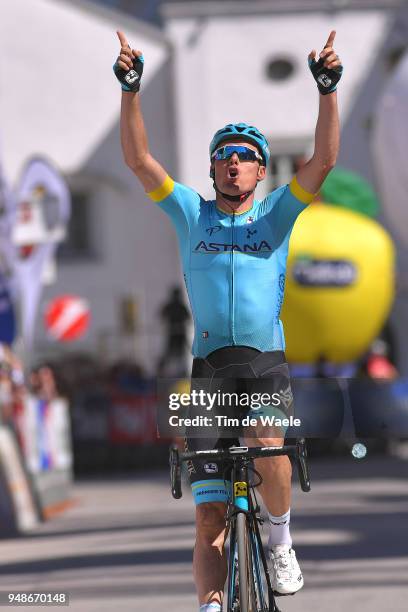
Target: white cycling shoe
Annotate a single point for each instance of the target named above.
(286, 577)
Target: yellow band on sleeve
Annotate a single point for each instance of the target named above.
(301, 194)
(163, 191)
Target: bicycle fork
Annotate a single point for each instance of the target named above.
(242, 502)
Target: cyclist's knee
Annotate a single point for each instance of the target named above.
(211, 522)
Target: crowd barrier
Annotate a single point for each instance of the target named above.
(36, 461)
(18, 510)
(116, 429)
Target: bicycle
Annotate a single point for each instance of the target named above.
(247, 566)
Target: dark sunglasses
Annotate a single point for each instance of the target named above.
(244, 153)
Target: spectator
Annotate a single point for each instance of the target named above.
(43, 384)
(176, 316)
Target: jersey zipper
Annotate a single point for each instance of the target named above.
(232, 281)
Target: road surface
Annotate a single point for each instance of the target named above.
(126, 544)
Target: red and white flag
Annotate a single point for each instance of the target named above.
(67, 318)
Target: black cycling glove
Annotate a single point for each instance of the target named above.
(326, 78)
(130, 79)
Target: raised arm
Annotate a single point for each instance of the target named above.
(128, 69)
(327, 72)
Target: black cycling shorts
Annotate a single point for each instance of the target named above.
(244, 384)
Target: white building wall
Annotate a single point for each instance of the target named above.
(136, 250)
(59, 98)
(220, 76)
(56, 78)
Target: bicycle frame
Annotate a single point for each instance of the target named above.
(242, 502)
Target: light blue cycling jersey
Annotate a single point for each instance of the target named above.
(234, 264)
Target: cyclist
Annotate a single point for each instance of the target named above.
(234, 251)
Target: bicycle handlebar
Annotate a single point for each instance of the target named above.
(298, 451)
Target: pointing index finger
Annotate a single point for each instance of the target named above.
(331, 38)
(122, 38)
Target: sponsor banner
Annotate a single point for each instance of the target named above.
(43, 209)
(132, 419)
(324, 272)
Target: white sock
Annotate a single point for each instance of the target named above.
(279, 529)
(211, 607)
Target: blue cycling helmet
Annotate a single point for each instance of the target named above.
(248, 132)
